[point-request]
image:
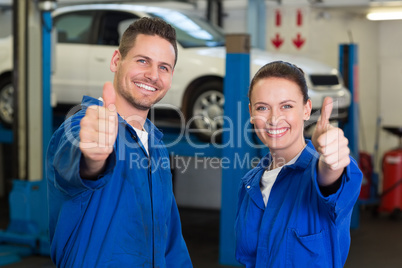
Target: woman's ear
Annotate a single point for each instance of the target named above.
(251, 114)
(307, 110)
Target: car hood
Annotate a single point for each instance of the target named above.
(6, 53)
(6, 43)
(260, 57)
(309, 66)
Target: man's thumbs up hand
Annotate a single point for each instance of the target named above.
(109, 96)
(332, 145)
(98, 133)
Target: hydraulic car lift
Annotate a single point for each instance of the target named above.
(27, 232)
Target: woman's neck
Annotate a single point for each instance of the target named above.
(282, 157)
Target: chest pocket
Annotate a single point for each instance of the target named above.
(306, 251)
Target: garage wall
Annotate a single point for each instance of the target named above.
(390, 80)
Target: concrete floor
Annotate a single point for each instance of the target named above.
(376, 243)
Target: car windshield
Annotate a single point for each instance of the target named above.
(191, 31)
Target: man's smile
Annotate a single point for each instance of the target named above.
(146, 87)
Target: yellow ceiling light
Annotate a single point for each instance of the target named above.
(389, 15)
(385, 10)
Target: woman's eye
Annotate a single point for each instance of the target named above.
(287, 106)
(261, 108)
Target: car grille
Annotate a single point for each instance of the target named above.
(324, 80)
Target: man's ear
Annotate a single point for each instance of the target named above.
(115, 60)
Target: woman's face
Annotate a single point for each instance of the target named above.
(277, 112)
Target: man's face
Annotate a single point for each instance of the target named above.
(144, 76)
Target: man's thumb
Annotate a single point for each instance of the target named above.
(109, 96)
(326, 111)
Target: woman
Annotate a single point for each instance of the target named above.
(295, 207)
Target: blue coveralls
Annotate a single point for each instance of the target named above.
(299, 227)
(128, 217)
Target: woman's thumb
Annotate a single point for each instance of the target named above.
(326, 111)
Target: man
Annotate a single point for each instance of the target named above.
(109, 182)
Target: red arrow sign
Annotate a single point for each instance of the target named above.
(298, 41)
(277, 41)
(278, 18)
(299, 19)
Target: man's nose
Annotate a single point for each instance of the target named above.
(152, 73)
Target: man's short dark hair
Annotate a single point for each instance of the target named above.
(147, 26)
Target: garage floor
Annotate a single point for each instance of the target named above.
(376, 243)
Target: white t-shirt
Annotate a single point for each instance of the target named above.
(143, 135)
(269, 177)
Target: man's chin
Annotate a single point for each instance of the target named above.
(142, 107)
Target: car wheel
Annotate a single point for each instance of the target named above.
(6, 102)
(205, 111)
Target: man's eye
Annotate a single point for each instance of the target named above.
(261, 108)
(164, 68)
(142, 61)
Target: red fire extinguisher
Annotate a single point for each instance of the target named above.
(366, 166)
(391, 197)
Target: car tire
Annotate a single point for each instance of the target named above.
(205, 111)
(6, 102)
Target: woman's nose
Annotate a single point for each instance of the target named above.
(274, 118)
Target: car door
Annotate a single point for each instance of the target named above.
(74, 41)
(111, 25)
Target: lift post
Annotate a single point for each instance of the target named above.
(236, 150)
(348, 66)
